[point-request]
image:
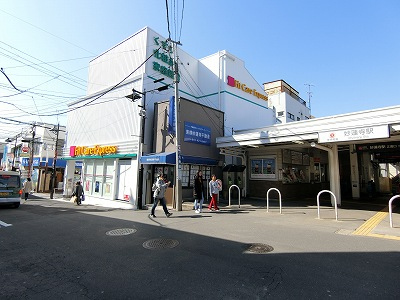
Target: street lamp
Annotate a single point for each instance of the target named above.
(135, 96)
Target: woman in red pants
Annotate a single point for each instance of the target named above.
(214, 191)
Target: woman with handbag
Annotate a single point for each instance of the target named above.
(78, 193)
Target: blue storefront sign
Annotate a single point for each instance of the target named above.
(199, 134)
(42, 162)
(171, 115)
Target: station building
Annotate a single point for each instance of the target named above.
(351, 155)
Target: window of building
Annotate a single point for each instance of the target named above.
(88, 177)
(109, 178)
(280, 113)
(188, 173)
(291, 116)
(298, 118)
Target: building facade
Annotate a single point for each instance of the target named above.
(352, 155)
(34, 153)
(286, 102)
(111, 128)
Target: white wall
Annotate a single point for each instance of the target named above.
(243, 110)
(118, 62)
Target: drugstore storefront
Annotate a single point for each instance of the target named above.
(106, 172)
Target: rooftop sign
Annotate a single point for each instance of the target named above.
(242, 86)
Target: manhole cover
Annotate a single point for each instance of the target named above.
(258, 248)
(121, 231)
(160, 243)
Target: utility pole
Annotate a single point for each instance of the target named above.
(53, 173)
(178, 173)
(30, 165)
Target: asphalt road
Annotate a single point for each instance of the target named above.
(54, 250)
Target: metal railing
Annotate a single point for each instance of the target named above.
(390, 209)
(334, 197)
(234, 185)
(280, 199)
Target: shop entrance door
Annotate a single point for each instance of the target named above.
(124, 169)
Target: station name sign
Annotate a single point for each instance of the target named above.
(242, 86)
(381, 147)
(96, 150)
(354, 134)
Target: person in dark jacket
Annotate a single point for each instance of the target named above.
(78, 192)
(198, 192)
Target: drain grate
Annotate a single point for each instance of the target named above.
(121, 231)
(258, 249)
(160, 244)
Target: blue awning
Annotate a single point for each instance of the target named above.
(169, 158)
(164, 158)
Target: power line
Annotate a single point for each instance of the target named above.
(47, 32)
(180, 31)
(9, 80)
(169, 31)
(109, 90)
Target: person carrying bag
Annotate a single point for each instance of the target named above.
(159, 191)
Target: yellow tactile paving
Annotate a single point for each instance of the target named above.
(384, 236)
(371, 223)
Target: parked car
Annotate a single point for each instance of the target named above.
(10, 188)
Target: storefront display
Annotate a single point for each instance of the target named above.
(295, 166)
(263, 167)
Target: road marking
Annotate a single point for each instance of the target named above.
(4, 224)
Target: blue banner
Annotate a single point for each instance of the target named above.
(171, 115)
(199, 134)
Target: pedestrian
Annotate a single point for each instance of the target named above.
(27, 188)
(159, 195)
(198, 192)
(78, 192)
(214, 192)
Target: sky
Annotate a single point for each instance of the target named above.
(342, 55)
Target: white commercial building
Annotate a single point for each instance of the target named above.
(109, 133)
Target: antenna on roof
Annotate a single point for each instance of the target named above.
(309, 95)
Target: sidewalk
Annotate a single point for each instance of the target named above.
(354, 217)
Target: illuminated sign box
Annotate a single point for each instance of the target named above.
(354, 134)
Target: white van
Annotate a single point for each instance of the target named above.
(10, 188)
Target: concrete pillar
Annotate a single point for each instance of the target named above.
(69, 178)
(334, 174)
(355, 176)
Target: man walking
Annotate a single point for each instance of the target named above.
(159, 194)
